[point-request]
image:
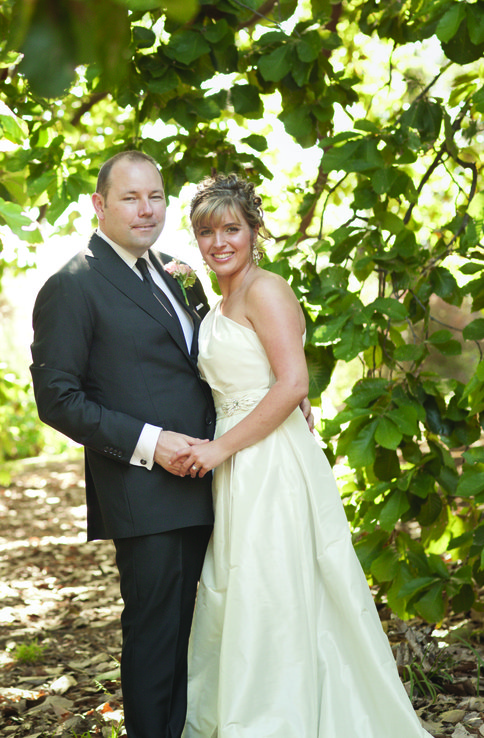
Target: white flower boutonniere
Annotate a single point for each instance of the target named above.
(184, 275)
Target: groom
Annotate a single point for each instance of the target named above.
(114, 368)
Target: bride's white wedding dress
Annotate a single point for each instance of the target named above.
(286, 640)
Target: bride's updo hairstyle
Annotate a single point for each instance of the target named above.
(221, 193)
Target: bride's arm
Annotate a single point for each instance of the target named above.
(276, 316)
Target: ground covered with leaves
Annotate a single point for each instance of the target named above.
(60, 636)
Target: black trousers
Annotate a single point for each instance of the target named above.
(159, 575)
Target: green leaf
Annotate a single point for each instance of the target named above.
(276, 65)
(48, 59)
(18, 222)
(383, 179)
(464, 599)
(397, 603)
(406, 243)
(472, 267)
(391, 307)
(448, 479)
(442, 336)
(450, 348)
(299, 124)
(415, 585)
(143, 37)
(140, 5)
(216, 32)
(259, 143)
(309, 46)
(478, 100)
(391, 222)
(449, 24)
(300, 72)
(406, 419)
(364, 197)
(386, 466)
(444, 283)
(430, 510)
(369, 548)
(460, 48)
(460, 541)
(331, 330)
(395, 506)
(186, 46)
(470, 484)
(409, 352)
(366, 391)
(366, 125)
(431, 606)
(180, 11)
(165, 83)
(245, 99)
(423, 485)
(474, 455)
(385, 567)
(340, 157)
(426, 117)
(321, 363)
(475, 23)
(474, 331)
(12, 128)
(362, 449)
(387, 434)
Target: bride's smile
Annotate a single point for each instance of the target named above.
(226, 244)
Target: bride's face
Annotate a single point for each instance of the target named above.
(226, 243)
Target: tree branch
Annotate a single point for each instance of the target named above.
(86, 106)
(263, 11)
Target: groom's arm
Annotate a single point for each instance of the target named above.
(63, 335)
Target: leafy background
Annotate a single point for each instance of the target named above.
(380, 235)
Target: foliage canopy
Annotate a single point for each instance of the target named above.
(383, 246)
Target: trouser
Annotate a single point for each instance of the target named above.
(158, 575)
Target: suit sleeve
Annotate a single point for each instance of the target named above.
(63, 333)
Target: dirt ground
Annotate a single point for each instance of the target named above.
(60, 636)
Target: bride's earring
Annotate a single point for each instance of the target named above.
(208, 269)
(257, 253)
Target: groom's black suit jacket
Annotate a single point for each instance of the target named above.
(106, 360)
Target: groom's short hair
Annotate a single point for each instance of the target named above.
(103, 179)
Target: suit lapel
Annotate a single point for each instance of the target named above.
(106, 261)
(159, 261)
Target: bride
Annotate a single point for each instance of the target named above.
(286, 640)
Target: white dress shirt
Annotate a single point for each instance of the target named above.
(144, 452)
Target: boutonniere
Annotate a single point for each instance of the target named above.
(184, 275)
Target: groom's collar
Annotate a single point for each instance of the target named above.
(123, 253)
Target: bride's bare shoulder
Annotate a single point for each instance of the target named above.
(268, 285)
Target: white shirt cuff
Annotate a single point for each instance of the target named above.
(144, 453)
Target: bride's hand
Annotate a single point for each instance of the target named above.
(197, 460)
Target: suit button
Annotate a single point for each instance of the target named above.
(208, 421)
(143, 461)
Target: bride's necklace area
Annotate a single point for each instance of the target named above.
(231, 295)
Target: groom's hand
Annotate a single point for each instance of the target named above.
(307, 412)
(168, 443)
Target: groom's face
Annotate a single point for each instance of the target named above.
(132, 214)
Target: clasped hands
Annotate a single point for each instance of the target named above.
(185, 455)
(172, 449)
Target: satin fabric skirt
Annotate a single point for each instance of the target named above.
(286, 640)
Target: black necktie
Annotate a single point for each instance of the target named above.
(162, 298)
